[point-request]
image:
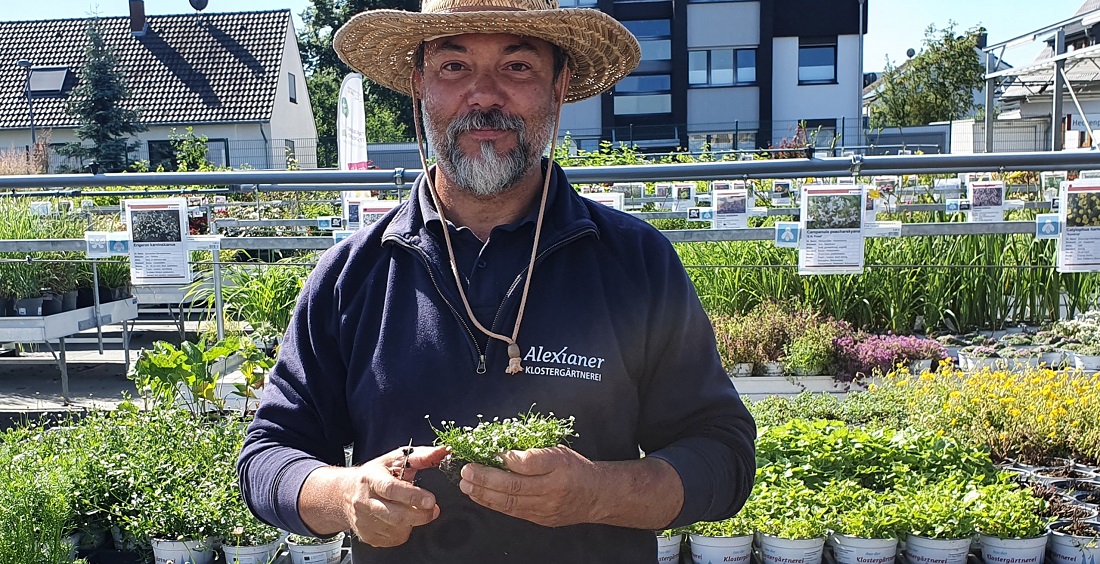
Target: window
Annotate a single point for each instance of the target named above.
(721, 67)
(47, 80)
(645, 104)
(644, 83)
(292, 82)
(162, 156)
(745, 141)
(577, 3)
(821, 133)
(654, 37)
(816, 61)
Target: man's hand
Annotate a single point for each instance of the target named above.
(553, 487)
(378, 500)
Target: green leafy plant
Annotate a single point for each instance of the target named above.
(190, 374)
(939, 509)
(485, 442)
(1007, 511)
(736, 526)
(812, 351)
(304, 540)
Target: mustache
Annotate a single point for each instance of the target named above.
(494, 119)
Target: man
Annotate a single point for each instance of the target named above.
(496, 287)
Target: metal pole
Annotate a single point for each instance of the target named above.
(989, 86)
(219, 303)
(859, 82)
(1057, 131)
(95, 303)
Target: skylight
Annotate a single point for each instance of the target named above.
(48, 80)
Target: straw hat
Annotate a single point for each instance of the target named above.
(382, 44)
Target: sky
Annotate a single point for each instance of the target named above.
(894, 26)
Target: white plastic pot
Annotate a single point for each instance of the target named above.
(1013, 551)
(668, 548)
(721, 549)
(1074, 549)
(775, 550)
(741, 370)
(923, 550)
(262, 554)
(183, 552)
(857, 550)
(326, 553)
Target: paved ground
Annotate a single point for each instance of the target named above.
(31, 383)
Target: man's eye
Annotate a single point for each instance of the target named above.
(452, 67)
(518, 67)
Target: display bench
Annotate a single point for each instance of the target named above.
(176, 299)
(46, 329)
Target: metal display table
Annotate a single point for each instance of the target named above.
(45, 329)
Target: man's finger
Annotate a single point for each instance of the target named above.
(403, 492)
(534, 462)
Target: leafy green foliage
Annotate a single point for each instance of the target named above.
(736, 526)
(936, 85)
(484, 443)
(99, 103)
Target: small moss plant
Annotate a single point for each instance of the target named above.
(484, 443)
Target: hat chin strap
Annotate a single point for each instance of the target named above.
(515, 365)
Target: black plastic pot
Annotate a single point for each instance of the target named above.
(28, 307)
(84, 297)
(69, 300)
(51, 305)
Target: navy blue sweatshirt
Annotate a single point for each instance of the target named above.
(613, 334)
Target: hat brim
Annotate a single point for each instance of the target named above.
(382, 44)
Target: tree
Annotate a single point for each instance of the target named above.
(388, 113)
(937, 84)
(98, 103)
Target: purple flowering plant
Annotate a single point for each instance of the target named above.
(861, 355)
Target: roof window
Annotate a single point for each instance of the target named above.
(47, 80)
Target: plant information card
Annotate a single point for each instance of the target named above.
(987, 201)
(832, 229)
(731, 209)
(158, 244)
(1079, 244)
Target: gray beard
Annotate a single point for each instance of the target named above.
(490, 173)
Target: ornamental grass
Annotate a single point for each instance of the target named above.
(1030, 415)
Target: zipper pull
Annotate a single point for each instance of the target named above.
(481, 364)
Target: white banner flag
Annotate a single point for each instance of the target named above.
(351, 125)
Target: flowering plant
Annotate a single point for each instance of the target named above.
(736, 342)
(865, 354)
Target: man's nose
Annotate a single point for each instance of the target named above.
(486, 91)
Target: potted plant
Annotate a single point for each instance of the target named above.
(791, 521)
(736, 345)
(729, 540)
(939, 518)
(865, 525)
(25, 281)
(246, 539)
(484, 443)
(114, 279)
(191, 375)
(314, 550)
(811, 352)
(1086, 356)
(1075, 541)
(1010, 523)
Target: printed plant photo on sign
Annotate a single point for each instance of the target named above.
(732, 204)
(987, 196)
(1083, 209)
(156, 226)
(833, 212)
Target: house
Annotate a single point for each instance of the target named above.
(733, 74)
(236, 78)
(1031, 93)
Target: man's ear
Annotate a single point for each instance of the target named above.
(418, 84)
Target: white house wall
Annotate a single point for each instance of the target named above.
(290, 120)
(792, 103)
(708, 107)
(723, 24)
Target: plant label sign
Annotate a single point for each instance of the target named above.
(701, 214)
(157, 239)
(781, 192)
(613, 200)
(1079, 214)
(987, 201)
(787, 234)
(732, 208)
(95, 244)
(204, 242)
(832, 218)
(1047, 226)
(1051, 183)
